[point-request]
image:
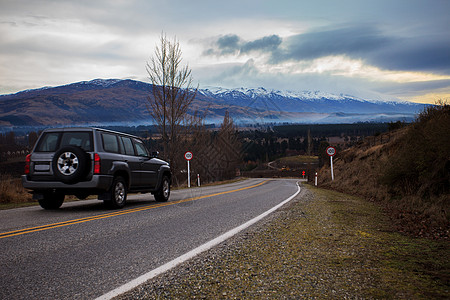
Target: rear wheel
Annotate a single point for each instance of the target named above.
(162, 195)
(117, 195)
(51, 200)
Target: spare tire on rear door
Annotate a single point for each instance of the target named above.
(70, 164)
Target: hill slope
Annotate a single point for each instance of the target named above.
(407, 170)
(115, 101)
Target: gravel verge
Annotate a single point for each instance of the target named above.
(321, 245)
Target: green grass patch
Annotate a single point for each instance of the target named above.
(403, 266)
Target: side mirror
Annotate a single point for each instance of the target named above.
(154, 154)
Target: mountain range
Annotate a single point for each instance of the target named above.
(113, 101)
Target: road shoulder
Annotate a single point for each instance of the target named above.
(322, 245)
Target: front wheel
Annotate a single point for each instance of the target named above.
(117, 195)
(162, 195)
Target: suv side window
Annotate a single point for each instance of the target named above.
(127, 145)
(110, 143)
(140, 148)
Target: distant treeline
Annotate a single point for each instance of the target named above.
(284, 140)
(255, 146)
(285, 130)
(328, 130)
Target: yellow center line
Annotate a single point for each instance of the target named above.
(114, 214)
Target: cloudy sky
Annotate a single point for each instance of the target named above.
(388, 49)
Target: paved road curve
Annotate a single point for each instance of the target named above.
(84, 250)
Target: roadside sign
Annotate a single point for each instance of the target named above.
(188, 156)
(331, 151)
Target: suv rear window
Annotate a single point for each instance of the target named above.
(52, 141)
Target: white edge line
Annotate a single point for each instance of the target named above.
(191, 254)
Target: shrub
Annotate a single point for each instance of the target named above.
(421, 163)
(11, 190)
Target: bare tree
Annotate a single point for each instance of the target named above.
(172, 94)
(220, 152)
(230, 146)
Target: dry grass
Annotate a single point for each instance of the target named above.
(12, 191)
(324, 245)
(409, 174)
(298, 159)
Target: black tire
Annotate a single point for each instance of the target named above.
(51, 200)
(163, 193)
(117, 195)
(70, 164)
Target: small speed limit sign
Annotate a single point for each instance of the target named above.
(331, 151)
(188, 155)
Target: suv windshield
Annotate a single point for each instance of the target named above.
(51, 141)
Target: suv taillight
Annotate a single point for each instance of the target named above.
(96, 164)
(27, 164)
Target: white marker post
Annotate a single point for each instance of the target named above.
(188, 156)
(315, 180)
(331, 151)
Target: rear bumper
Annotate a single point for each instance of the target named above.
(98, 182)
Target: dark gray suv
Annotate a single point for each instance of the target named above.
(93, 161)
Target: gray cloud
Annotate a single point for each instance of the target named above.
(267, 43)
(349, 41)
(228, 44)
(423, 53)
(233, 44)
(412, 88)
(428, 53)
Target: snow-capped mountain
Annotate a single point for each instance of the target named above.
(262, 92)
(109, 101)
(307, 101)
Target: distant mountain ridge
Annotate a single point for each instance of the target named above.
(309, 101)
(115, 101)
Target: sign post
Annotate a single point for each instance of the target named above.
(188, 156)
(331, 151)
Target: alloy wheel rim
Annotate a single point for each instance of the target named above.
(67, 163)
(119, 192)
(166, 189)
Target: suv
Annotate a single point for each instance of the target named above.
(86, 161)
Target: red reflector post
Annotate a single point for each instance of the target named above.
(96, 164)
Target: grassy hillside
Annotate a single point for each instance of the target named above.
(408, 171)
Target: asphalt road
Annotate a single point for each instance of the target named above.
(83, 250)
